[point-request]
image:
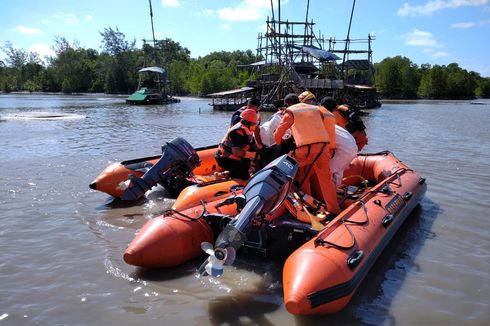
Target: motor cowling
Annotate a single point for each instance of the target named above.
(265, 192)
(178, 160)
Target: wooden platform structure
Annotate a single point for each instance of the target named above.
(296, 59)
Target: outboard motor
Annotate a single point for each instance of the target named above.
(264, 193)
(178, 160)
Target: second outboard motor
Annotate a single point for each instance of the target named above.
(178, 159)
(264, 193)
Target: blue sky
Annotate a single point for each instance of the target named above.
(426, 31)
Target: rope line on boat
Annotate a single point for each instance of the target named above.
(171, 211)
(323, 242)
(345, 222)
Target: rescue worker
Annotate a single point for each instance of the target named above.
(345, 152)
(308, 98)
(253, 103)
(347, 119)
(328, 121)
(237, 148)
(311, 152)
(342, 151)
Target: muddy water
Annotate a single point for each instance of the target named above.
(62, 243)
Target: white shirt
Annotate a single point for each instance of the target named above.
(267, 129)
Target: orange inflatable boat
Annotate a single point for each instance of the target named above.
(177, 167)
(327, 258)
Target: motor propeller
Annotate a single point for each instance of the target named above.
(217, 258)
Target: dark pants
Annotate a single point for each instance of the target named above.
(238, 169)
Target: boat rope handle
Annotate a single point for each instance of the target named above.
(171, 211)
(322, 242)
(363, 206)
(344, 223)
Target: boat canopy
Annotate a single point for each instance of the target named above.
(153, 69)
(320, 54)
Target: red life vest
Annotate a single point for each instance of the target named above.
(226, 145)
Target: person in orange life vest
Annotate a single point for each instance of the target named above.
(347, 119)
(311, 139)
(237, 148)
(328, 121)
(329, 125)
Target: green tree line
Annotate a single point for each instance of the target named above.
(398, 77)
(114, 70)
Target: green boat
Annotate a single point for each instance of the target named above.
(152, 88)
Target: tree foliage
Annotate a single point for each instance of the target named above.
(115, 70)
(398, 77)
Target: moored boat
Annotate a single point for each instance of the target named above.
(152, 88)
(330, 255)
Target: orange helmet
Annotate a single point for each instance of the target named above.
(249, 115)
(306, 95)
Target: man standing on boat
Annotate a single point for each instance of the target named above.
(312, 142)
(238, 147)
(343, 150)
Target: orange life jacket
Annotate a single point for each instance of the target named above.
(348, 120)
(308, 125)
(340, 119)
(329, 125)
(225, 147)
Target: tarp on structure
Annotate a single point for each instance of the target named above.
(361, 87)
(232, 91)
(320, 54)
(153, 69)
(260, 63)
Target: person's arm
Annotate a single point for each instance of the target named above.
(287, 121)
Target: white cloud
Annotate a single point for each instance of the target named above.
(67, 18)
(463, 25)
(246, 10)
(28, 30)
(88, 18)
(43, 50)
(433, 6)
(440, 54)
(421, 38)
(171, 3)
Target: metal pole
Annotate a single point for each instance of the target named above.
(152, 29)
(347, 41)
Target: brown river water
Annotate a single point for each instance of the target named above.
(61, 244)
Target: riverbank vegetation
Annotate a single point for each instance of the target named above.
(114, 70)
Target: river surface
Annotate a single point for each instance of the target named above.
(61, 244)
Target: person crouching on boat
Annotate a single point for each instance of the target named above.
(311, 152)
(347, 119)
(271, 150)
(345, 148)
(254, 104)
(237, 148)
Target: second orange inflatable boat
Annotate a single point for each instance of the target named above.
(327, 259)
